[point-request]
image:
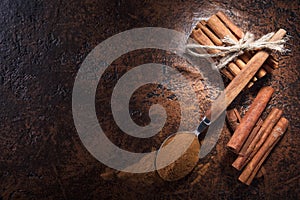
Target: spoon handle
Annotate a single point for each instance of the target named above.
(237, 84)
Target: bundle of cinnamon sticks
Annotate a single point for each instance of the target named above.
(253, 138)
(212, 31)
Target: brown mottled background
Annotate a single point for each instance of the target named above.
(43, 43)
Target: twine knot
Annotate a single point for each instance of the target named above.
(237, 48)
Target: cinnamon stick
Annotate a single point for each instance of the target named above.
(270, 64)
(241, 64)
(209, 34)
(254, 165)
(204, 39)
(219, 28)
(218, 24)
(249, 151)
(233, 118)
(261, 172)
(246, 57)
(242, 132)
(273, 62)
(235, 29)
(267, 67)
(263, 133)
(251, 137)
(227, 74)
(232, 69)
(200, 37)
(243, 157)
(221, 31)
(239, 34)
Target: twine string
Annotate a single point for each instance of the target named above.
(235, 49)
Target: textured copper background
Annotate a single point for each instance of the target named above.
(42, 45)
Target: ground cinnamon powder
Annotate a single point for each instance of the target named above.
(187, 160)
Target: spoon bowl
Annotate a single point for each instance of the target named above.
(177, 156)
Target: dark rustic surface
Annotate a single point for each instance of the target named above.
(42, 45)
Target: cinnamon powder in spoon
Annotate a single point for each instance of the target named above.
(187, 160)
